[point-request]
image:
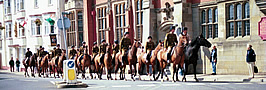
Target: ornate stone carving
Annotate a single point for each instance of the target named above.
(168, 10)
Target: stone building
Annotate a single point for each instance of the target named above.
(26, 26)
(228, 24)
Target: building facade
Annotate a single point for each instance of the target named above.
(228, 24)
(27, 26)
(75, 32)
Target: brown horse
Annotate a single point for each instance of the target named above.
(132, 61)
(142, 60)
(84, 63)
(108, 62)
(30, 62)
(98, 66)
(44, 64)
(57, 65)
(177, 58)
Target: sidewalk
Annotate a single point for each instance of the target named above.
(260, 77)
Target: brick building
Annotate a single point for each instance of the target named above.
(228, 24)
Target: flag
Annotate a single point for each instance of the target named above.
(51, 21)
(24, 22)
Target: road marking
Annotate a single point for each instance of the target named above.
(195, 84)
(262, 83)
(170, 84)
(242, 83)
(219, 83)
(30, 80)
(122, 86)
(52, 82)
(97, 87)
(148, 85)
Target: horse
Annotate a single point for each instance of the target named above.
(44, 64)
(177, 58)
(99, 66)
(108, 62)
(30, 62)
(84, 63)
(132, 61)
(191, 54)
(57, 65)
(153, 59)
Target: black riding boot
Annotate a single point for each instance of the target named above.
(168, 57)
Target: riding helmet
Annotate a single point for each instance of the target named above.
(172, 27)
(94, 43)
(116, 41)
(149, 37)
(40, 46)
(72, 46)
(58, 45)
(126, 33)
(103, 40)
(185, 28)
(83, 42)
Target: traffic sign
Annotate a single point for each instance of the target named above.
(66, 23)
(70, 64)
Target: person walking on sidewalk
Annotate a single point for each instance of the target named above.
(250, 59)
(213, 59)
(17, 64)
(11, 63)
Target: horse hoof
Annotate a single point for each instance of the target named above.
(173, 81)
(125, 79)
(162, 80)
(177, 80)
(115, 79)
(167, 79)
(150, 79)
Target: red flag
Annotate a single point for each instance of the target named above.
(24, 22)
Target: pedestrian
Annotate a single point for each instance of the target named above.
(17, 64)
(11, 63)
(213, 60)
(250, 59)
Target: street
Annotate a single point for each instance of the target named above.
(17, 81)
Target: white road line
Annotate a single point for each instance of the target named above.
(262, 83)
(122, 86)
(195, 84)
(147, 85)
(52, 82)
(30, 80)
(219, 83)
(242, 83)
(97, 87)
(170, 84)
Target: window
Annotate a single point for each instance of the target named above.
(21, 4)
(7, 7)
(120, 20)
(36, 3)
(80, 28)
(49, 2)
(35, 29)
(8, 30)
(15, 6)
(209, 22)
(102, 23)
(46, 28)
(71, 32)
(139, 19)
(238, 20)
(21, 29)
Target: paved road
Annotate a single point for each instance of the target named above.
(10, 81)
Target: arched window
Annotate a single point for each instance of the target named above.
(80, 28)
(210, 15)
(216, 15)
(246, 10)
(203, 16)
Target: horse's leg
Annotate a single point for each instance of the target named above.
(173, 73)
(185, 68)
(139, 69)
(179, 67)
(195, 77)
(135, 69)
(153, 72)
(124, 73)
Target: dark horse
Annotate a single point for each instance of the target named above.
(191, 54)
(31, 63)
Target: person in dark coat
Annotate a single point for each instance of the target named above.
(11, 63)
(250, 59)
(213, 60)
(17, 64)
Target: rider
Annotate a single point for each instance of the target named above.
(115, 49)
(28, 54)
(72, 52)
(184, 34)
(81, 51)
(95, 50)
(58, 53)
(149, 47)
(39, 51)
(53, 52)
(170, 41)
(124, 46)
(102, 50)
